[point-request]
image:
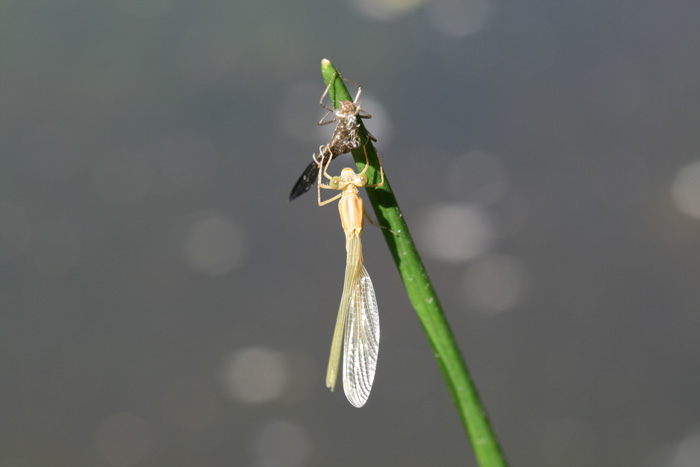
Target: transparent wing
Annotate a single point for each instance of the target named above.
(361, 341)
(353, 246)
(336, 345)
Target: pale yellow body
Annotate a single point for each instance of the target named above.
(358, 318)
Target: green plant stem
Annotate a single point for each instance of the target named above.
(423, 297)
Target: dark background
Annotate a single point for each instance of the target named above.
(161, 304)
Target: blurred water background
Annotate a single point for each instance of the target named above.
(162, 304)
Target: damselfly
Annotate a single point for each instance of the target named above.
(358, 317)
(344, 139)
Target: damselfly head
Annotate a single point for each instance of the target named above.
(347, 174)
(349, 177)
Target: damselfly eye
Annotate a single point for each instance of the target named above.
(362, 178)
(335, 183)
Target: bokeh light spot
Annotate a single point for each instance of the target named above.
(455, 232)
(256, 374)
(214, 245)
(685, 189)
(687, 453)
(459, 18)
(386, 10)
(495, 283)
(382, 126)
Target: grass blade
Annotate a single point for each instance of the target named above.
(423, 298)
